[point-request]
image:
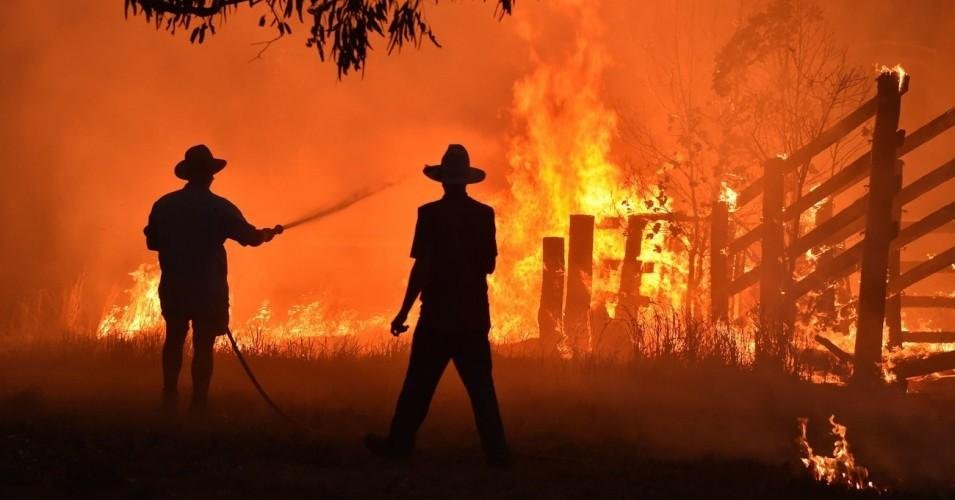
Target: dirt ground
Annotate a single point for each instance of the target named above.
(81, 420)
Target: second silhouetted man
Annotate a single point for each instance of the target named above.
(454, 250)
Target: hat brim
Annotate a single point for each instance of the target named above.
(472, 175)
(188, 170)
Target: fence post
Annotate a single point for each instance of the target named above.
(826, 301)
(878, 233)
(631, 269)
(719, 268)
(737, 268)
(893, 305)
(772, 266)
(551, 312)
(580, 270)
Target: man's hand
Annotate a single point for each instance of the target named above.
(271, 232)
(398, 325)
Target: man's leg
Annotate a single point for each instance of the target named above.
(427, 363)
(203, 340)
(472, 359)
(176, 330)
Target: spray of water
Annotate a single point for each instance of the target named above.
(346, 202)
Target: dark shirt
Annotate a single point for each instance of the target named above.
(188, 228)
(455, 243)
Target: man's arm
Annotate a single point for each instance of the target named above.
(491, 254)
(415, 282)
(421, 253)
(239, 229)
(152, 232)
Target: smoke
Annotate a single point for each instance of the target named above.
(98, 110)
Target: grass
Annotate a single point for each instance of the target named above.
(77, 418)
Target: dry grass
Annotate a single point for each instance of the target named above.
(679, 423)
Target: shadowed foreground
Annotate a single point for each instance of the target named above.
(79, 418)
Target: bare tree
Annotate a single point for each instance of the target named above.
(779, 81)
(339, 29)
(786, 80)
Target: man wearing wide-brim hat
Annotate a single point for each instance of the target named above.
(188, 228)
(454, 250)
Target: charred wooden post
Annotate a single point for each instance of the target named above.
(893, 305)
(930, 337)
(631, 269)
(924, 270)
(737, 266)
(878, 234)
(580, 270)
(550, 315)
(719, 262)
(772, 266)
(834, 349)
(917, 367)
(930, 301)
(826, 302)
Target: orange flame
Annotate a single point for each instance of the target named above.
(561, 164)
(142, 315)
(839, 469)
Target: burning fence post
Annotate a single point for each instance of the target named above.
(737, 268)
(580, 270)
(826, 302)
(893, 305)
(878, 234)
(719, 267)
(551, 312)
(769, 337)
(631, 269)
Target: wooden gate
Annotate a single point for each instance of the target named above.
(877, 255)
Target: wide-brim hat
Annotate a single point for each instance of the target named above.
(455, 168)
(198, 162)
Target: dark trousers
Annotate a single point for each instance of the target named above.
(430, 354)
(203, 339)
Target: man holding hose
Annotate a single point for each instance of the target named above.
(188, 228)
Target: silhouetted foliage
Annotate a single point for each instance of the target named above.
(340, 29)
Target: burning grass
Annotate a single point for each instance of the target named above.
(839, 469)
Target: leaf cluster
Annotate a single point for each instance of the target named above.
(340, 30)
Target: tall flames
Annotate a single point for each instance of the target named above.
(561, 163)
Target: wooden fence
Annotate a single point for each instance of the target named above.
(567, 295)
(878, 213)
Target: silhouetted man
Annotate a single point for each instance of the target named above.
(454, 250)
(188, 228)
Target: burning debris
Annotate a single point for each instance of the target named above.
(838, 470)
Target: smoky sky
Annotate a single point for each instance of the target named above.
(97, 110)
